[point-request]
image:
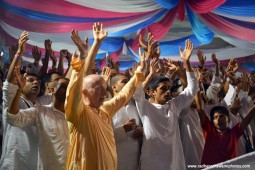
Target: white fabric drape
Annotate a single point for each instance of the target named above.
(119, 5)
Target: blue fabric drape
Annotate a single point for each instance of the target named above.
(140, 25)
(238, 8)
(167, 4)
(203, 34)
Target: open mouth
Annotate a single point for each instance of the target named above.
(167, 97)
(35, 88)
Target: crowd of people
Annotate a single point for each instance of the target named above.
(160, 114)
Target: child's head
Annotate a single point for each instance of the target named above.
(219, 117)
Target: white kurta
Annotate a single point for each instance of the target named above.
(162, 148)
(128, 149)
(52, 130)
(20, 145)
(192, 136)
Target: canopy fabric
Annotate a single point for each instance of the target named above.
(231, 20)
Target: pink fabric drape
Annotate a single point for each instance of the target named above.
(51, 27)
(61, 7)
(228, 27)
(134, 46)
(204, 6)
(181, 10)
(160, 29)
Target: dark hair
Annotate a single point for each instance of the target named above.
(154, 83)
(32, 74)
(116, 78)
(220, 109)
(55, 72)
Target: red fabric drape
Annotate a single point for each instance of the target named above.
(228, 27)
(161, 28)
(204, 6)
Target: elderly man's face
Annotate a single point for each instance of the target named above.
(97, 93)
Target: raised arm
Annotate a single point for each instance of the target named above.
(21, 81)
(118, 101)
(217, 65)
(200, 109)
(186, 54)
(186, 97)
(17, 59)
(80, 67)
(251, 113)
(99, 35)
(45, 60)
(36, 55)
(63, 54)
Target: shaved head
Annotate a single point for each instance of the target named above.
(90, 80)
(94, 90)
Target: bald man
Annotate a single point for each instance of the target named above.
(91, 135)
(92, 143)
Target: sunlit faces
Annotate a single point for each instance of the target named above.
(32, 85)
(53, 81)
(121, 82)
(95, 91)
(220, 121)
(162, 94)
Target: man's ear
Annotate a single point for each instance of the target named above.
(150, 93)
(85, 92)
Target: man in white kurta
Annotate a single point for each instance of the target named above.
(50, 124)
(20, 145)
(162, 148)
(52, 130)
(128, 148)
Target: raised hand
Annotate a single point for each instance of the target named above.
(186, 54)
(53, 57)
(201, 57)
(131, 71)
(142, 60)
(82, 46)
(47, 45)
(21, 79)
(170, 64)
(63, 53)
(22, 42)
(106, 74)
(154, 67)
(214, 59)
(149, 49)
(98, 31)
(36, 53)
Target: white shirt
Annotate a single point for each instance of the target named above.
(192, 136)
(52, 130)
(128, 149)
(162, 148)
(20, 145)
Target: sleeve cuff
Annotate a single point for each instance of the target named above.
(191, 75)
(77, 64)
(139, 74)
(10, 117)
